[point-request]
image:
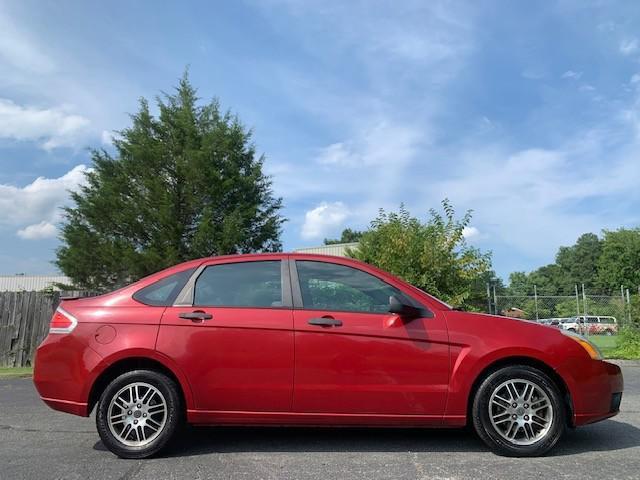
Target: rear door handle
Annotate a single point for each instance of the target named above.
(195, 316)
(325, 322)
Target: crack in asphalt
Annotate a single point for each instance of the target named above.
(132, 471)
(39, 430)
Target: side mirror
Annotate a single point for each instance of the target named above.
(406, 311)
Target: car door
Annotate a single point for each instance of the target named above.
(353, 356)
(231, 333)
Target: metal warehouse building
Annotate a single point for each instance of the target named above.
(337, 249)
(31, 283)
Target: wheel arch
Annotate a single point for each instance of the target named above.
(528, 361)
(136, 362)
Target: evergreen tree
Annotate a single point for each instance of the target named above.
(184, 184)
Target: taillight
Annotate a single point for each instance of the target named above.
(62, 322)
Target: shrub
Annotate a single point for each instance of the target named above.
(628, 344)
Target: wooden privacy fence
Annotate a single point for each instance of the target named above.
(24, 322)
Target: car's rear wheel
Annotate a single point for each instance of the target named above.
(138, 413)
(518, 411)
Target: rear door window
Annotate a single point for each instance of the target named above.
(245, 284)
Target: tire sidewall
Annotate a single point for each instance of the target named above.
(168, 389)
(487, 431)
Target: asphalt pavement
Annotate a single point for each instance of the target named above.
(36, 442)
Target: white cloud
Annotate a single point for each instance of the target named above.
(421, 33)
(369, 165)
(635, 78)
(535, 200)
(381, 144)
(18, 50)
(629, 46)
(572, 75)
(38, 204)
(52, 127)
(38, 231)
(44, 70)
(324, 219)
(106, 137)
(470, 232)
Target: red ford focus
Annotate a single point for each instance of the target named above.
(289, 339)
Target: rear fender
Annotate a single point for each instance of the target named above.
(141, 353)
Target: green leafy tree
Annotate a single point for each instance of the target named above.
(478, 299)
(548, 279)
(579, 264)
(519, 284)
(348, 236)
(432, 256)
(635, 310)
(573, 265)
(619, 263)
(184, 184)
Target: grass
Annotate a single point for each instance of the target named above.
(11, 372)
(607, 345)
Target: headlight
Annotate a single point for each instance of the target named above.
(590, 348)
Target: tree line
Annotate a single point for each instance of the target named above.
(602, 264)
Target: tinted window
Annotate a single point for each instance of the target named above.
(164, 292)
(592, 319)
(327, 286)
(248, 284)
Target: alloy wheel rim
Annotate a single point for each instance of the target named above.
(137, 414)
(520, 412)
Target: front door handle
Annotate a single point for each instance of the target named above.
(196, 316)
(325, 322)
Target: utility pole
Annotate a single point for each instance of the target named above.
(577, 301)
(495, 300)
(535, 299)
(624, 308)
(584, 323)
(488, 299)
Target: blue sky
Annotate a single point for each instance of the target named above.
(526, 112)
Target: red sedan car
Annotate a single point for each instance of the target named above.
(292, 339)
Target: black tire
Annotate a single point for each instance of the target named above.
(172, 418)
(491, 434)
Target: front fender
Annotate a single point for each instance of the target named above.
(466, 368)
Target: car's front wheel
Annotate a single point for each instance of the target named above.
(138, 413)
(518, 411)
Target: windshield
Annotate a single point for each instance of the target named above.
(431, 296)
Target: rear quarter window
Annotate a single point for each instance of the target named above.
(163, 292)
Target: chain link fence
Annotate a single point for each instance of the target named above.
(583, 312)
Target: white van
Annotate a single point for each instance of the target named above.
(591, 324)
